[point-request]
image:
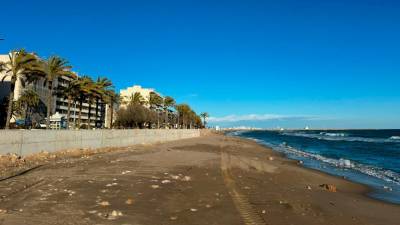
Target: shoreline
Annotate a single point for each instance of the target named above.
(366, 189)
(378, 187)
(213, 179)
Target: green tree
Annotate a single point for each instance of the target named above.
(19, 67)
(101, 89)
(112, 98)
(167, 104)
(137, 98)
(204, 115)
(28, 100)
(155, 102)
(53, 68)
(84, 86)
(71, 93)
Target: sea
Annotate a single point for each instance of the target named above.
(370, 157)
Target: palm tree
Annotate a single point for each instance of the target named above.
(53, 68)
(155, 101)
(84, 87)
(168, 102)
(28, 100)
(137, 99)
(19, 67)
(184, 112)
(102, 86)
(112, 99)
(204, 115)
(71, 93)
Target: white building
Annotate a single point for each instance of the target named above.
(60, 105)
(127, 93)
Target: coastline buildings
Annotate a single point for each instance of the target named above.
(60, 105)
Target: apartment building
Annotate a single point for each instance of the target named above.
(98, 116)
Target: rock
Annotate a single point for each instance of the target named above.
(193, 210)
(263, 212)
(165, 181)
(308, 187)
(329, 187)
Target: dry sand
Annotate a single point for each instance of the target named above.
(208, 180)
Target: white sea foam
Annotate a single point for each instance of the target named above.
(342, 137)
(380, 173)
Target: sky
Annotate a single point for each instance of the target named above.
(268, 64)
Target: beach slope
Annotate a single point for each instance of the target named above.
(209, 180)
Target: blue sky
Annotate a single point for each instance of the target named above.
(265, 63)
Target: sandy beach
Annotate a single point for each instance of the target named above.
(211, 180)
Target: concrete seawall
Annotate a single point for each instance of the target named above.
(26, 142)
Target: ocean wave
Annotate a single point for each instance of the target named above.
(380, 173)
(343, 137)
(334, 134)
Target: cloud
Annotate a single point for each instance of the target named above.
(259, 117)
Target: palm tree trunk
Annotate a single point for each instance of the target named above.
(90, 110)
(80, 113)
(97, 112)
(111, 114)
(49, 97)
(69, 110)
(10, 104)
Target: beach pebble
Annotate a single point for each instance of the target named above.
(165, 181)
(193, 210)
(173, 218)
(263, 212)
(208, 206)
(270, 158)
(308, 187)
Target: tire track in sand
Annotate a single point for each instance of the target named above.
(242, 204)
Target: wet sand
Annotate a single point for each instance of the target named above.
(209, 180)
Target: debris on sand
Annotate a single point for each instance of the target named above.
(165, 181)
(264, 211)
(308, 187)
(2, 211)
(193, 210)
(129, 201)
(125, 172)
(173, 218)
(155, 186)
(104, 203)
(112, 184)
(329, 187)
(186, 178)
(270, 158)
(181, 177)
